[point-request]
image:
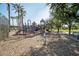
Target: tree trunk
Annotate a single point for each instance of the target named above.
(22, 25)
(58, 30)
(69, 28)
(18, 20)
(9, 16)
(51, 27)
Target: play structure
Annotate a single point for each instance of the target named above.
(27, 29)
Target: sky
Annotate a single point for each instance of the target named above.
(34, 11)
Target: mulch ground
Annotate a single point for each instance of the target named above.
(21, 45)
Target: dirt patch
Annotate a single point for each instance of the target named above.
(34, 46)
(19, 46)
(58, 46)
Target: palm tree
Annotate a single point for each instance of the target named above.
(17, 8)
(22, 14)
(8, 8)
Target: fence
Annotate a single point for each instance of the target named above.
(4, 27)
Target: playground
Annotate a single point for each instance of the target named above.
(31, 41)
(21, 45)
(53, 31)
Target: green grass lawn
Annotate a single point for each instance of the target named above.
(62, 30)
